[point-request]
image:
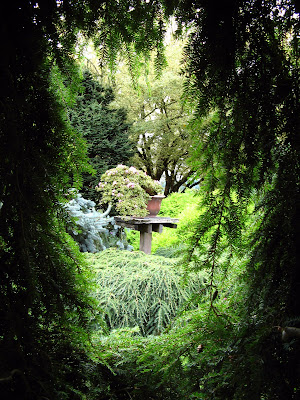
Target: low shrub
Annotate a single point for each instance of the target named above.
(141, 290)
(93, 230)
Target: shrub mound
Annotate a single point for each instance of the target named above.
(141, 290)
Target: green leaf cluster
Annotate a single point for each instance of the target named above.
(128, 190)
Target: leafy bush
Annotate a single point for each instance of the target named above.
(128, 189)
(136, 289)
(173, 205)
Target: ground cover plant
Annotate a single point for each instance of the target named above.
(139, 290)
(185, 360)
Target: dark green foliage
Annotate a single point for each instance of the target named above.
(104, 128)
(122, 350)
(242, 65)
(44, 299)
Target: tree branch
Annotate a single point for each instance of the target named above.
(288, 333)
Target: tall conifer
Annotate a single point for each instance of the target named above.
(104, 128)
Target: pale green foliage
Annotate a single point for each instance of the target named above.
(136, 289)
(177, 238)
(127, 189)
(185, 207)
(161, 117)
(169, 364)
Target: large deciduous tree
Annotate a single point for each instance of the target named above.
(105, 129)
(160, 119)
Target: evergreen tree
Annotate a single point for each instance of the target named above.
(105, 129)
(42, 283)
(243, 68)
(44, 297)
